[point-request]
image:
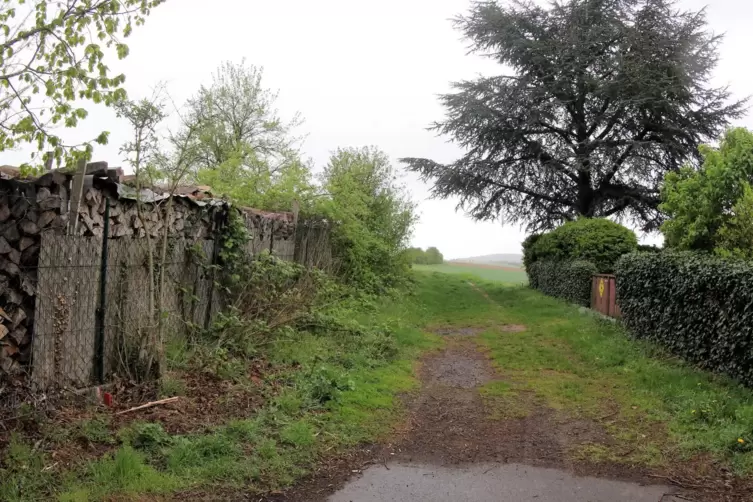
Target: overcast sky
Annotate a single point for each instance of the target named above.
(361, 73)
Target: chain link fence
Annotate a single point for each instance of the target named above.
(94, 309)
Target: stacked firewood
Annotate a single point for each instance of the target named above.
(126, 220)
(26, 211)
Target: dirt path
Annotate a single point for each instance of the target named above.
(451, 424)
(460, 446)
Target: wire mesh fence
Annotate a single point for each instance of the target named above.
(96, 307)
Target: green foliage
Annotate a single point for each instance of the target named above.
(710, 209)
(21, 473)
(264, 297)
(245, 150)
(735, 238)
(145, 437)
(95, 430)
(126, 471)
(53, 54)
(655, 409)
(569, 280)
(372, 216)
(594, 102)
(259, 186)
(529, 249)
(595, 240)
(431, 256)
(298, 434)
(698, 306)
(646, 248)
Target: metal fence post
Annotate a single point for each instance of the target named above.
(99, 343)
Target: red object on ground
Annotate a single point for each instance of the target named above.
(107, 398)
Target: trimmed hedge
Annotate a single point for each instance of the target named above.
(569, 280)
(529, 252)
(698, 306)
(596, 240)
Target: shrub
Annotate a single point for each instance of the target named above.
(569, 280)
(595, 240)
(711, 208)
(372, 217)
(696, 305)
(529, 249)
(647, 248)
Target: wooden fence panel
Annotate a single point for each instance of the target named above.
(604, 295)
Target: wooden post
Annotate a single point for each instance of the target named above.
(76, 194)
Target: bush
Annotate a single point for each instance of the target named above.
(431, 256)
(595, 240)
(696, 305)
(647, 248)
(569, 280)
(529, 249)
(372, 217)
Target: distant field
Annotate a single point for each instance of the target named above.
(494, 273)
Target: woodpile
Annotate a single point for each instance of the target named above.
(127, 221)
(26, 210)
(31, 208)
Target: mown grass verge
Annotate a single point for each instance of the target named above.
(330, 386)
(658, 410)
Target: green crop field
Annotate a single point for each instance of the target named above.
(486, 272)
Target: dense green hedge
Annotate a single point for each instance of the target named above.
(569, 280)
(529, 250)
(597, 240)
(698, 306)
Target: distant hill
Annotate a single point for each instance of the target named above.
(515, 260)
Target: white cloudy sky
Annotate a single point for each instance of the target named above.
(361, 73)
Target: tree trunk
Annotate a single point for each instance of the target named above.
(585, 204)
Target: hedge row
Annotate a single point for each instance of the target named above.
(569, 280)
(698, 306)
(596, 240)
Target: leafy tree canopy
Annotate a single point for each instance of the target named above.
(431, 256)
(712, 209)
(52, 57)
(372, 214)
(245, 150)
(604, 98)
(596, 240)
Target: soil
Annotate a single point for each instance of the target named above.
(455, 331)
(451, 425)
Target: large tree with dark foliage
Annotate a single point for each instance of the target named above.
(604, 98)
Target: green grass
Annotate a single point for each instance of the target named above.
(331, 389)
(335, 388)
(658, 410)
(479, 272)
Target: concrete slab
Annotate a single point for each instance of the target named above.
(490, 483)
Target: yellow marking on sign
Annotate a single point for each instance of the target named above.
(601, 287)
